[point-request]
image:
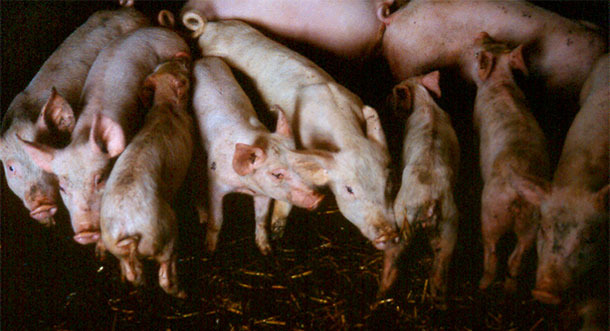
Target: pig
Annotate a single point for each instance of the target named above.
(431, 162)
(512, 146)
(136, 217)
(348, 28)
(345, 143)
(572, 242)
(31, 115)
(243, 156)
(561, 51)
(109, 118)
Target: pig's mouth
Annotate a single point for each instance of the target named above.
(44, 213)
(307, 201)
(386, 241)
(87, 237)
(546, 297)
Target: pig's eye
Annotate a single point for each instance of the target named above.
(11, 168)
(98, 180)
(349, 190)
(62, 189)
(278, 175)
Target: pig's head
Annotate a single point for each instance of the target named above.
(494, 60)
(572, 238)
(169, 82)
(359, 177)
(268, 167)
(37, 189)
(82, 169)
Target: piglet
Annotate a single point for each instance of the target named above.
(512, 146)
(243, 156)
(425, 200)
(32, 116)
(136, 217)
(573, 237)
(110, 117)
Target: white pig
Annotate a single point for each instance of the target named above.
(136, 217)
(512, 146)
(243, 156)
(109, 119)
(351, 154)
(31, 115)
(350, 28)
(426, 35)
(431, 162)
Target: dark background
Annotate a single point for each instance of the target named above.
(49, 281)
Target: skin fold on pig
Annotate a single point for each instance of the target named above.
(243, 156)
(558, 50)
(572, 241)
(110, 116)
(349, 28)
(136, 218)
(512, 146)
(425, 201)
(32, 117)
(343, 139)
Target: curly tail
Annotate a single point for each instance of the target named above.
(195, 22)
(126, 3)
(166, 19)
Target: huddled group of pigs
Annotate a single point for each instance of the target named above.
(110, 122)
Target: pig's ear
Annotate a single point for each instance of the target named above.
(106, 136)
(312, 165)
(485, 62)
(56, 114)
(41, 154)
(516, 60)
(402, 97)
(534, 190)
(283, 126)
(430, 82)
(247, 158)
(601, 198)
(374, 131)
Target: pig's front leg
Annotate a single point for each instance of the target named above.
(281, 210)
(524, 242)
(215, 217)
(443, 246)
(261, 211)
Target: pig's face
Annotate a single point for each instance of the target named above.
(360, 181)
(55, 123)
(273, 171)
(572, 235)
(494, 60)
(82, 169)
(36, 188)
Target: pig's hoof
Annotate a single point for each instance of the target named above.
(510, 285)
(265, 248)
(485, 282)
(277, 231)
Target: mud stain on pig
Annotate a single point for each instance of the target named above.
(424, 177)
(213, 166)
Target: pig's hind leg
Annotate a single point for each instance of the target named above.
(168, 276)
(526, 221)
(443, 246)
(131, 266)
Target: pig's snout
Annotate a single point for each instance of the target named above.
(43, 212)
(390, 267)
(387, 240)
(87, 237)
(309, 200)
(547, 290)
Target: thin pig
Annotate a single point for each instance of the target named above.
(348, 149)
(427, 35)
(136, 218)
(512, 146)
(431, 161)
(243, 156)
(572, 241)
(32, 117)
(349, 28)
(110, 117)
